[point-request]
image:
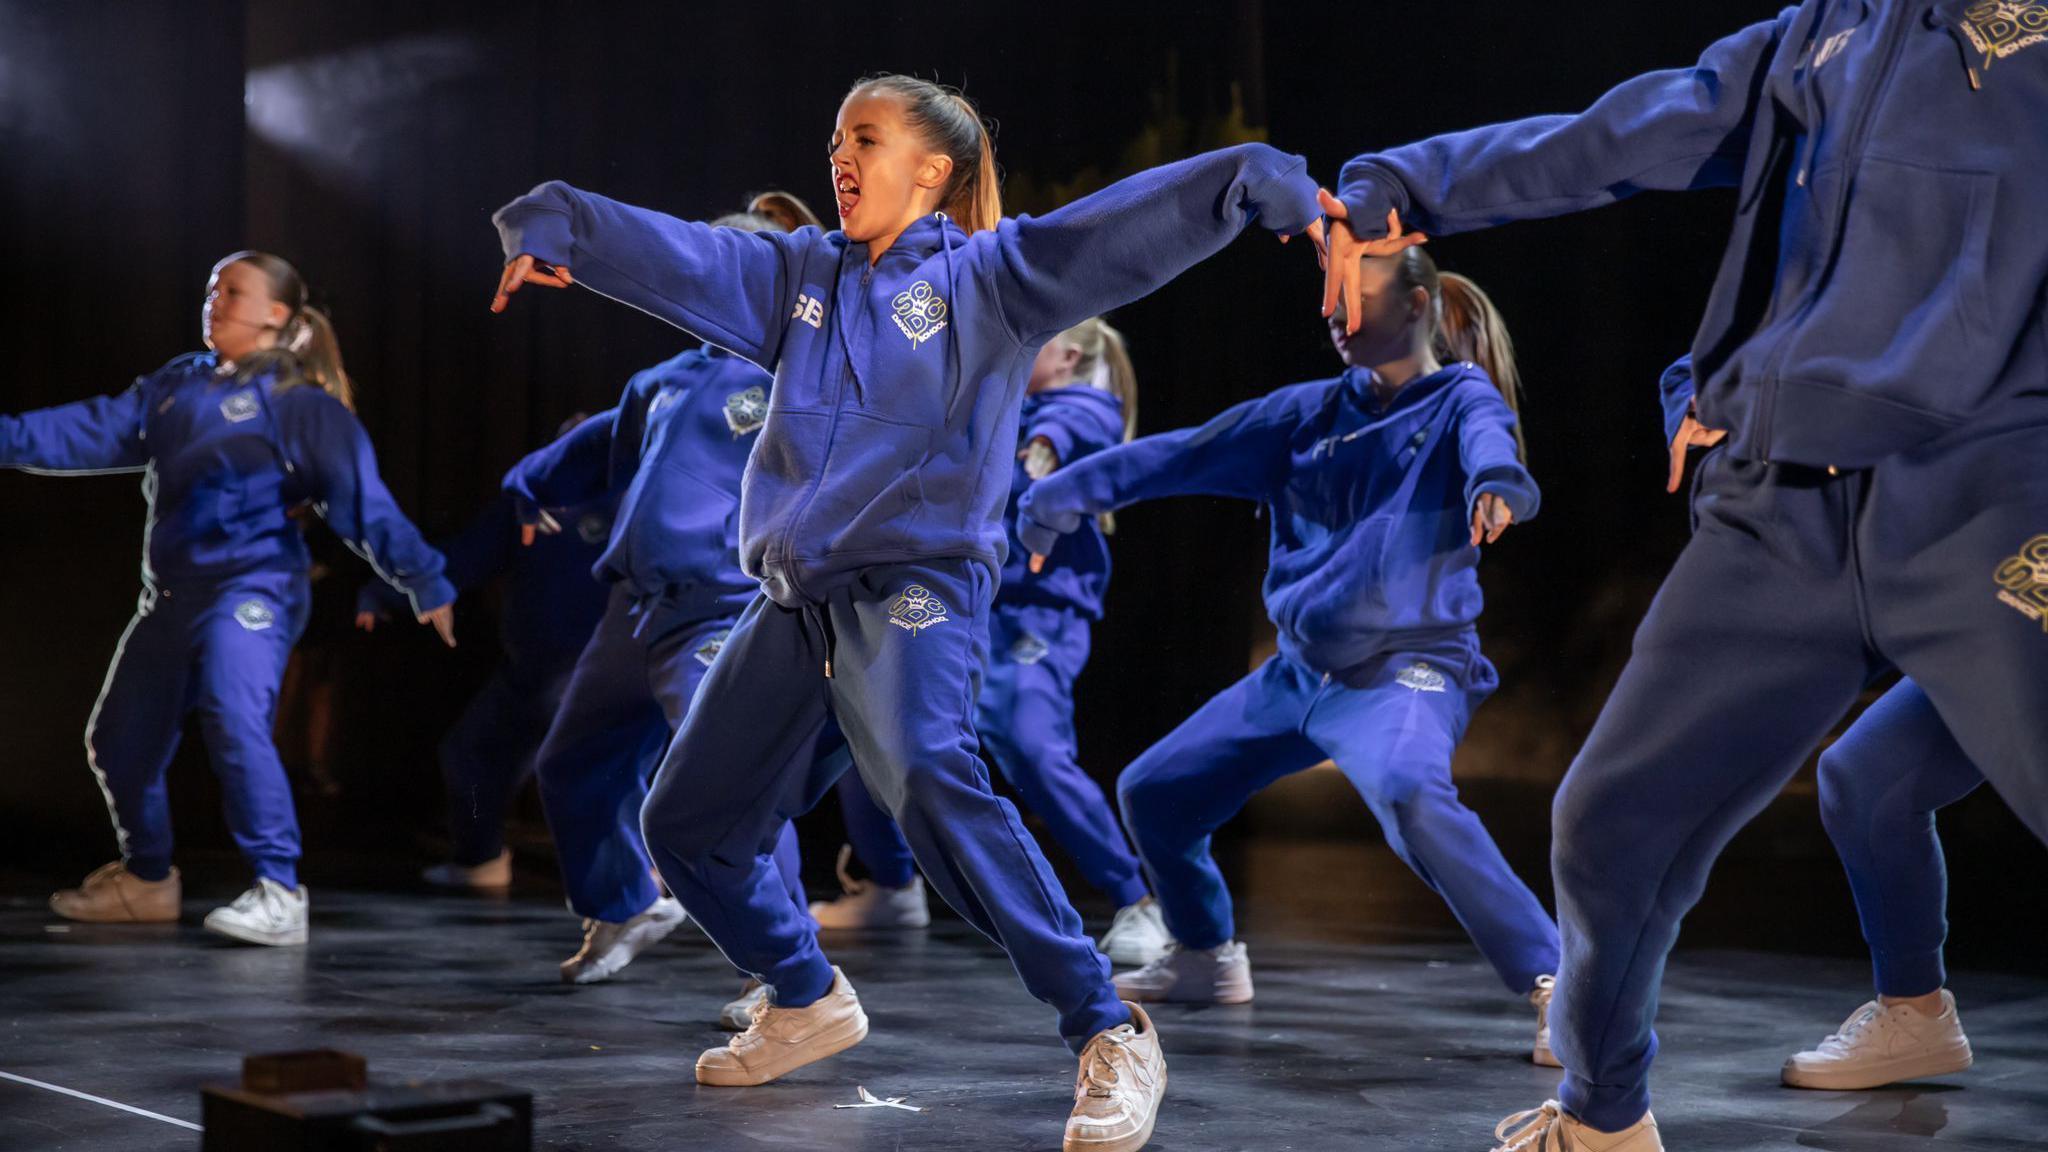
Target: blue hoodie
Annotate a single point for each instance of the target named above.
(223, 459)
(673, 450)
(1884, 279)
(1371, 506)
(895, 403)
(1078, 421)
(548, 604)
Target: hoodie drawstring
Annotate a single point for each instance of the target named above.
(952, 302)
(817, 615)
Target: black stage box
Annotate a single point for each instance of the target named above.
(331, 1108)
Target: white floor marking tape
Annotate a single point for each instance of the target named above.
(100, 1100)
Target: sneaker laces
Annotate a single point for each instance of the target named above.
(1536, 1130)
(1853, 1028)
(1101, 1073)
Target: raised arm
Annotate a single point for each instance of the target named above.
(1679, 129)
(1121, 243)
(103, 434)
(732, 288)
(1241, 453)
(327, 445)
(1075, 431)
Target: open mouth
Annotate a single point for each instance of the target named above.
(846, 191)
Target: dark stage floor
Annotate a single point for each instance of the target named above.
(1357, 1039)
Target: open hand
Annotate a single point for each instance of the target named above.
(443, 620)
(1490, 518)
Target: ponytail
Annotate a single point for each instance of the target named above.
(949, 123)
(306, 349)
(783, 210)
(1466, 326)
(1105, 362)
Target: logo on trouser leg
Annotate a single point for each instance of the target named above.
(254, 615)
(2023, 581)
(917, 609)
(1028, 649)
(711, 647)
(1421, 677)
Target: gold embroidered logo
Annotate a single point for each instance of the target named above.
(2023, 581)
(2002, 28)
(917, 609)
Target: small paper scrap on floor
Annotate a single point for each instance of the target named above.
(870, 1100)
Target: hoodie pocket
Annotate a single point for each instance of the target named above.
(871, 490)
(1344, 594)
(694, 527)
(1904, 314)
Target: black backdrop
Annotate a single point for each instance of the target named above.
(368, 141)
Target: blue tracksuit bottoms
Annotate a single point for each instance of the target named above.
(1391, 726)
(1880, 786)
(1025, 716)
(905, 645)
(218, 650)
(1797, 587)
(632, 686)
(488, 752)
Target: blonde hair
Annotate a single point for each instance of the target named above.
(1465, 325)
(949, 123)
(1105, 361)
(307, 350)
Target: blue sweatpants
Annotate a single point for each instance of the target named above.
(631, 688)
(1391, 725)
(219, 651)
(1796, 588)
(487, 754)
(1025, 715)
(1880, 786)
(906, 645)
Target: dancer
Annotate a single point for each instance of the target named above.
(1880, 786)
(228, 442)
(1381, 485)
(1081, 398)
(672, 454)
(548, 607)
(900, 346)
(1873, 348)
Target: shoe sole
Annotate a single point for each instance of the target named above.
(1131, 1143)
(1230, 993)
(1866, 1076)
(253, 936)
(850, 1033)
(124, 918)
(627, 950)
(1134, 957)
(898, 926)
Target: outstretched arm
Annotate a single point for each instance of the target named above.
(1241, 453)
(103, 434)
(1498, 488)
(732, 288)
(327, 444)
(1113, 246)
(1674, 130)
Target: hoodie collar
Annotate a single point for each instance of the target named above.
(1358, 386)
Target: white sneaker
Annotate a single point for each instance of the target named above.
(1880, 1045)
(1541, 1055)
(1118, 1090)
(737, 1015)
(1549, 1129)
(868, 906)
(1138, 935)
(778, 1041)
(269, 913)
(608, 947)
(493, 873)
(1219, 975)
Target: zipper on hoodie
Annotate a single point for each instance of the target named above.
(1852, 157)
(846, 374)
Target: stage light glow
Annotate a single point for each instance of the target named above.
(327, 111)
